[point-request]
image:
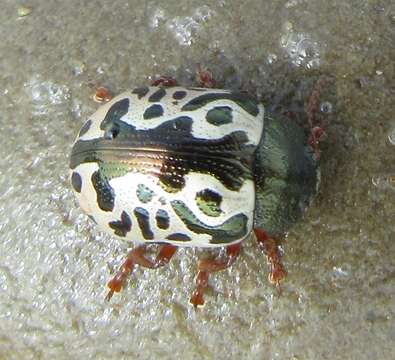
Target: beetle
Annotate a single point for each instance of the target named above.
(196, 167)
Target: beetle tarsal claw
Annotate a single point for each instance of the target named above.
(109, 295)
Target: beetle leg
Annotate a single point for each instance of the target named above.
(165, 254)
(205, 77)
(208, 266)
(317, 132)
(270, 247)
(102, 95)
(166, 81)
(137, 257)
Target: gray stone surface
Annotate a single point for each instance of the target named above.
(338, 301)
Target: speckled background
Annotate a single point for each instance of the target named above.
(338, 301)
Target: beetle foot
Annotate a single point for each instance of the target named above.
(137, 256)
(197, 298)
(166, 81)
(205, 77)
(118, 281)
(270, 247)
(208, 266)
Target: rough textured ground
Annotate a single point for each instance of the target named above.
(339, 298)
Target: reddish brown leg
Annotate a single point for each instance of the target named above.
(208, 266)
(311, 108)
(137, 257)
(270, 247)
(102, 94)
(165, 81)
(205, 77)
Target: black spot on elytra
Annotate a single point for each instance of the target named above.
(76, 181)
(210, 195)
(157, 95)
(153, 111)
(220, 115)
(85, 128)
(144, 193)
(209, 202)
(104, 191)
(123, 226)
(141, 91)
(178, 237)
(228, 158)
(162, 219)
(212, 156)
(180, 94)
(235, 228)
(114, 114)
(112, 131)
(142, 217)
(241, 99)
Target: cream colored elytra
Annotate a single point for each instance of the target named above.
(108, 173)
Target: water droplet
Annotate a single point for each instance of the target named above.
(78, 68)
(271, 58)
(384, 181)
(185, 28)
(157, 16)
(202, 13)
(300, 47)
(46, 96)
(339, 271)
(326, 107)
(391, 136)
(23, 11)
